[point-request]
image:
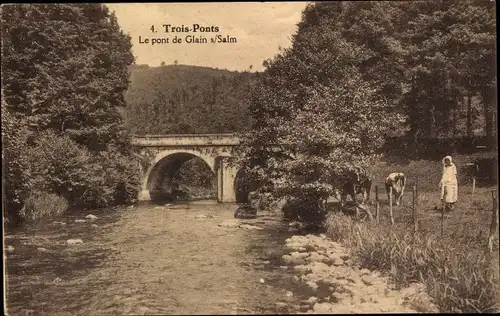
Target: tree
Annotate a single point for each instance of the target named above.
(64, 73)
(64, 68)
(317, 119)
(452, 58)
(162, 64)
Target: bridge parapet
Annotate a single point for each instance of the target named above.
(186, 140)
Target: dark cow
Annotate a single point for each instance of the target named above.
(357, 184)
(396, 181)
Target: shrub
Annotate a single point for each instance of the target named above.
(122, 176)
(460, 281)
(303, 211)
(42, 204)
(16, 178)
(59, 165)
(89, 180)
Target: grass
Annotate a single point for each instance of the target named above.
(42, 205)
(458, 273)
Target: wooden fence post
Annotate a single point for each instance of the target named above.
(416, 192)
(494, 222)
(442, 216)
(415, 220)
(390, 206)
(473, 185)
(377, 205)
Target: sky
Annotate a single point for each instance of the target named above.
(259, 28)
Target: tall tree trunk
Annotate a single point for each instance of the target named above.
(456, 111)
(469, 116)
(489, 102)
(488, 121)
(432, 127)
(455, 122)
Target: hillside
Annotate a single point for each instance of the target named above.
(176, 99)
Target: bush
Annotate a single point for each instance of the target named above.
(61, 166)
(123, 179)
(16, 179)
(459, 282)
(42, 204)
(112, 179)
(303, 211)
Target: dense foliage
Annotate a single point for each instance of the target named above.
(451, 63)
(359, 72)
(64, 73)
(177, 99)
(314, 105)
(87, 180)
(16, 181)
(71, 74)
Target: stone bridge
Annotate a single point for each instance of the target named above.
(165, 154)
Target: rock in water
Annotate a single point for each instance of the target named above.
(41, 249)
(10, 248)
(301, 268)
(299, 255)
(74, 241)
(245, 212)
(230, 223)
(365, 272)
(367, 279)
(91, 217)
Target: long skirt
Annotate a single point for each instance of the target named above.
(449, 193)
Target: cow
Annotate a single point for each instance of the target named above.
(357, 185)
(396, 181)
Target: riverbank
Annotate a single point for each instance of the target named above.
(341, 286)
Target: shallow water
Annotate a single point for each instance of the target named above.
(150, 260)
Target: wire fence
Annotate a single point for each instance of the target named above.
(416, 217)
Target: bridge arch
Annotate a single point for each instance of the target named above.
(158, 178)
(166, 153)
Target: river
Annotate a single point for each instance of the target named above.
(149, 260)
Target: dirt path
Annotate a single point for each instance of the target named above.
(152, 260)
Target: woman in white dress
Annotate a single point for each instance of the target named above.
(449, 184)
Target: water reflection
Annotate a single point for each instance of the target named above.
(146, 260)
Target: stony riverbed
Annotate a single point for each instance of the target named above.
(187, 259)
(342, 287)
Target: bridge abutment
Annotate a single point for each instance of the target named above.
(226, 175)
(144, 196)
